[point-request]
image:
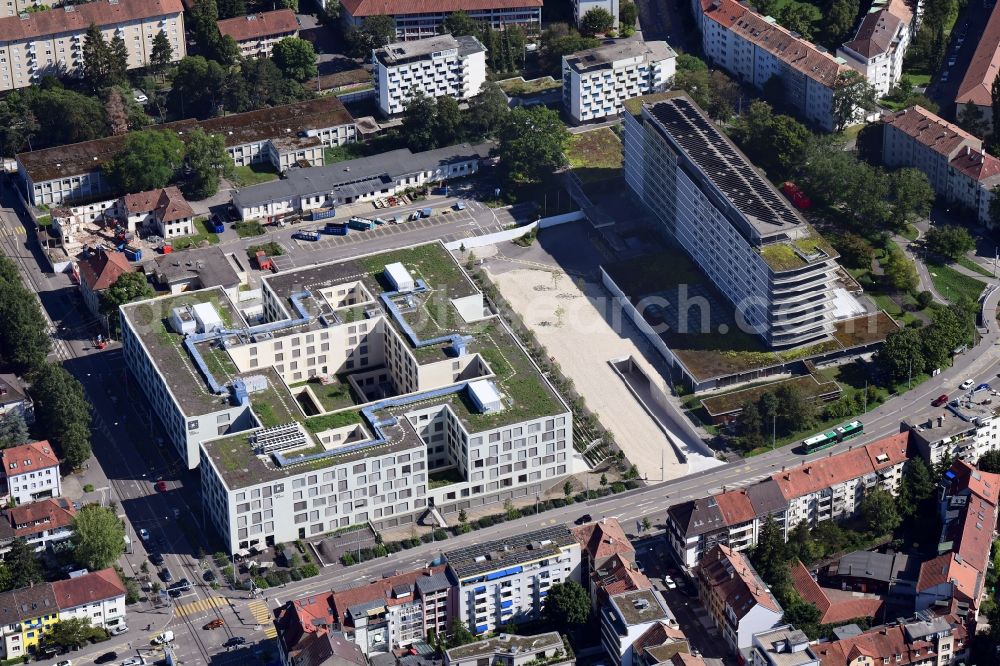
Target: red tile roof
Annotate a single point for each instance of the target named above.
(984, 484)
(359, 8)
(88, 588)
(881, 642)
(77, 18)
(977, 165)
(168, 203)
(47, 514)
(931, 130)
(875, 34)
(730, 577)
(102, 268)
(257, 26)
(602, 539)
(302, 617)
(831, 611)
(982, 71)
(618, 575)
(946, 568)
(28, 458)
(380, 590)
(736, 507)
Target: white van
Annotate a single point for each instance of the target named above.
(165, 637)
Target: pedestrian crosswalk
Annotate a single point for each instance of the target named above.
(199, 606)
(262, 615)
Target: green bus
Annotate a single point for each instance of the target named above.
(827, 439)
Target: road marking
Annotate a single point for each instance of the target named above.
(262, 614)
(200, 605)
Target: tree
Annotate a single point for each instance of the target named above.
(447, 126)
(912, 195)
(597, 21)
(900, 271)
(197, 88)
(851, 92)
(949, 241)
(879, 511)
(161, 54)
(798, 17)
(995, 103)
(296, 58)
(487, 111)
(567, 488)
(989, 462)
(804, 616)
(532, 144)
(374, 33)
(795, 410)
(73, 632)
(419, 116)
(127, 288)
(231, 8)
(628, 13)
(202, 20)
(915, 487)
(13, 430)
(839, 20)
(65, 116)
(770, 556)
(459, 634)
(559, 40)
(147, 160)
(114, 109)
(24, 568)
(855, 251)
(62, 413)
(18, 124)
(751, 426)
(96, 58)
(24, 340)
(902, 354)
(566, 606)
(98, 537)
(207, 157)
(460, 24)
(777, 143)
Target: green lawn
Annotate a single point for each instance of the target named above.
(517, 86)
(953, 285)
(595, 155)
(974, 266)
(910, 233)
(201, 236)
(244, 176)
(44, 221)
(918, 79)
(349, 151)
(249, 229)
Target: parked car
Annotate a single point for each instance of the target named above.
(143, 534)
(165, 637)
(940, 400)
(106, 658)
(118, 630)
(166, 575)
(585, 518)
(982, 387)
(135, 661)
(161, 486)
(209, 576)
(156, 559)
(139, 96)
(65, 662)
(967, 384)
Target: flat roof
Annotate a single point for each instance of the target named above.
(507, 644)
(511, 551)
(640, 606)
(399, 53)
(236, 129)
(601, 56)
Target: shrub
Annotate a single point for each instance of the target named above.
(347, 559)
(88, 488)
(221, 559)
(296, 575)
(617, 487)
(260, 582)
(310, 570)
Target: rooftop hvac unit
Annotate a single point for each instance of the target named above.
(278, 438)
(240, 395)
(207, 318)
(182, 321)
(485, 395)
(399, 277)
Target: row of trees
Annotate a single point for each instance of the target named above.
(908, 352)
(785, 410)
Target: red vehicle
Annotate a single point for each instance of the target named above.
(161, 486)
(797, 196)
(940, 400)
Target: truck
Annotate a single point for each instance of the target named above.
(336, 229)
(360, 223)
(132, 253)
(306, 235)
(322, 214)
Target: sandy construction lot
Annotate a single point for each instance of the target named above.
(561, 313)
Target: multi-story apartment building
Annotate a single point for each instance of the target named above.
(256, 34)
(347, 406)
(35, 44)
(507, 581)
(165, 210)
(955, 162)
(825, 489)
(39, 523)
(362, 179)
(549, 648)
(281, 135)
(738, 601)
(880, 43)
(28, 613)
(626, 617)
(963, 431)
(30, 472)
(754, 49)
(596, 82)
(425, 20)
(98, 270)
(599, 543)
(14, 398)
(757, 250)
(581, 7)
(615, 575)
(967, 505)
(923, 640)
(439, 66)
(975, 91)
(782, 646)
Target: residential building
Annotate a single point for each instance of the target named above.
(596, 82)
(342, 374)
(974, 92)
(99, 269)
(439, 66)
(628, 616)
(581, 7)
(425, 20)
(38, 523)
(827, 488)
(880, 43)
(507, 581)
(968, 513)
(659, 645)
(548, 649)
(954, 161)
(753, 49)
(923, 640)
(362, 179)
(616, 575)
(26, 614)
(396, 611)
(203, 268)
(164, 211)
(98, 596)
(14, 398)
(756, 249)
(867, 571)
(328, 648)
(835, 606)
(37, 44)
(599, 542)
(280, 135)
(256, 34)
(782, 646)
(303, 621)
(737, 600)
(30, 472)
(965, 430)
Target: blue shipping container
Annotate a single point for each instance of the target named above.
(323, 214)
(335, 229)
